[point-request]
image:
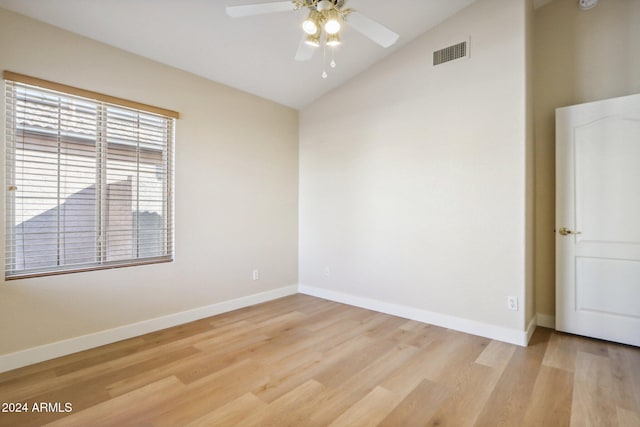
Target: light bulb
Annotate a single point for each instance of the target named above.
(332, 25)
(310, 25)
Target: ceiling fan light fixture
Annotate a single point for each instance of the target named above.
(324, 23)
(313, 39)
(311, 25)
(333, 40)
(332, 23)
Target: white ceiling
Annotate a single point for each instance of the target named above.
(254, 54)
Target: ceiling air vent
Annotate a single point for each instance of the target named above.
(460, 50)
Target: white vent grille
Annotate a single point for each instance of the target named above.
(460, 50)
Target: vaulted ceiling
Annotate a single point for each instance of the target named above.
(254, 54)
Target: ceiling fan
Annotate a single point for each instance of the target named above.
(324, 22)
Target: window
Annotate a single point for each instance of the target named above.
(88, 180)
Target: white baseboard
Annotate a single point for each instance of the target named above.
(531, 328)
(62, 348)
(512, 336)
(546, 320)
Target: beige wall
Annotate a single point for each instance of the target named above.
(413, 178)
(236, 194)
(580, 56)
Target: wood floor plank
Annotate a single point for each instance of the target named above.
(123, 410)
(419, 406)
(512, 393)
(551, 399)
(563, 349)
(632, 373)
(209, 392)
(304, 361)
(257, 313)
(561, 352)
(628, 418)
(224, 355)
(369, 411)
(385, 328)
(419, 335)
(353, 363)
(277, 386)
(81, 395)
(473, 386)
(286, 410)
(462, 350)
(496, 355)
(315, 306)
(177, 333)
(50, 366)
(353, 329)
(430, 364)
(110, 370)
(118, 386)
(593, 403)
(289, 373)
(416, 369)
(335, 314)
(623, 371)
(337, 399)
(231, 413)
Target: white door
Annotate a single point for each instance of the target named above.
(598, 219)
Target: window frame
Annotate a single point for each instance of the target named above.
(103, 103)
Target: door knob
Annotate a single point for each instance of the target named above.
(565, 231)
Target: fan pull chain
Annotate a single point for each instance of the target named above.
(324, 61)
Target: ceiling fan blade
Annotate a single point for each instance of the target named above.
(260, 8)
(371, 29)
(305, 52)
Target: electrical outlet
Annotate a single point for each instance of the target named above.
(512, 303)
(256, 274)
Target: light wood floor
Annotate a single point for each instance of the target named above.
(304, 361)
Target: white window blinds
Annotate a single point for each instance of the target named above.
(89, 183)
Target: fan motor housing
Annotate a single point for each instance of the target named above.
(313, 4)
